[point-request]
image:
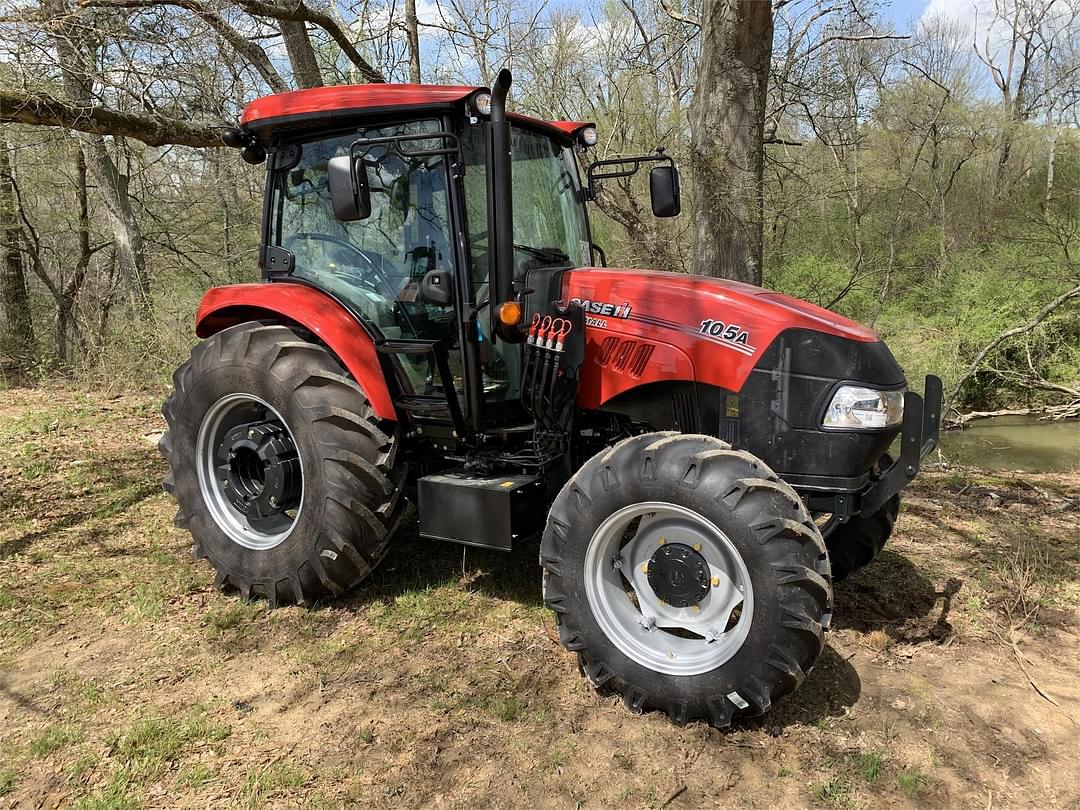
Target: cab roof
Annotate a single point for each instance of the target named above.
(326, 104)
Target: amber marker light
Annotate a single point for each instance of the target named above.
(509, 313)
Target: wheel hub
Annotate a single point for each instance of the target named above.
(679, 575)
(262, 471)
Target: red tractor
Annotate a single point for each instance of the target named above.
(700, 458)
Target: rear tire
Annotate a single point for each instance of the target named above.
(349, 503)
(855, 543)
(701, 485)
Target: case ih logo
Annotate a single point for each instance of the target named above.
(604, 308)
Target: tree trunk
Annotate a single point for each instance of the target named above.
(1051, 161)
(127, 233)
(69, 338)
(305, 66)
(412, 34)
(17, 329)
(727, 122)
(75, 67)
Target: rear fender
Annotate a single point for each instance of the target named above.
(343, 335)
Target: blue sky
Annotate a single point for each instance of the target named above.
(903, 11)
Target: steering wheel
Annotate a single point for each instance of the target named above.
(365, 278)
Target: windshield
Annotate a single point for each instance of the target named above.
(550, 227)
(374, 265)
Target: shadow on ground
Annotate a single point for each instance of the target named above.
(115, 483)
(414, 563)
(893, 595)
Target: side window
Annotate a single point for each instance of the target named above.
(375, 265)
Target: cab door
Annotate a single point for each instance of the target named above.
(376, 266)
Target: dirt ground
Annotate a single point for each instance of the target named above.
(952, 678)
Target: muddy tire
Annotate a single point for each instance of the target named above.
(263, 409)
(687, 578)
(855, 543)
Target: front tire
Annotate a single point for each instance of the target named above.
(282, 473)
(856, 542)
(643, 555)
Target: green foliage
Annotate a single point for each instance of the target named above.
(7, 781)
(868, 765)
(913, 782)
(936, 318)
(53, 739)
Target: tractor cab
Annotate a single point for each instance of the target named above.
(422, 210)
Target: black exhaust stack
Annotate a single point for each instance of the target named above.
(500, 200)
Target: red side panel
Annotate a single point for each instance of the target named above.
(644, 326)
(223, 307)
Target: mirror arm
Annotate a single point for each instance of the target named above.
(633, 163)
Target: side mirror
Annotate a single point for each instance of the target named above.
(664, 191)
(349, 190)
(437, 287)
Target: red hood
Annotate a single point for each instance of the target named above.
(694, 298)
(684, 327)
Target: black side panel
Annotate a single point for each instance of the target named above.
(816, 354)
(683, 406)
(546, 286)
(777, 414)
(782, 403)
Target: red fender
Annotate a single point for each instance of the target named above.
(222, 307)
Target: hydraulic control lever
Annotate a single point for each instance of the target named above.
(549, 379)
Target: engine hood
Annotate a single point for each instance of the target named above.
(648, 326)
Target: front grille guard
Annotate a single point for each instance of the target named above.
(918, 436)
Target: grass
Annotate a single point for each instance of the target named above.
(912, 782)
(52, 739)
(195, 776)
(232, 622)
(265, 783)
(868, 765)
(146, 745)
(837, 792)
(441, 679)
(116, 795)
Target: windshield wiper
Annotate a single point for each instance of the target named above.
(547, 255)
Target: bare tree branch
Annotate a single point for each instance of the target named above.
(299, 11)
(1040, 316)
(252, 52)
(42, 109)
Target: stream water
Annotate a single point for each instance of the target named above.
(1014, 443)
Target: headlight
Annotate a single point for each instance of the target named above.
(856, 408)
(482, 103)
(589, 136)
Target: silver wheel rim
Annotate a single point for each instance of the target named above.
(657, 635)
(224, 415)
